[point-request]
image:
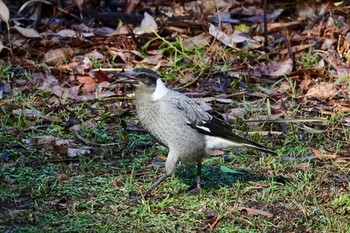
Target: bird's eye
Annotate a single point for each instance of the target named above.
(141, 76)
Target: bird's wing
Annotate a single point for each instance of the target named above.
(192, 111)
(207, 124)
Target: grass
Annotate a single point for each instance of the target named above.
(98, 195)
(44, 190)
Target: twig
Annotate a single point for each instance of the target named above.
(121, 98)
(289, 120)
(86, 141)
(212, 226)
(10, 130)
(265, 24)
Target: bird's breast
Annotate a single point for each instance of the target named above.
(169, 126)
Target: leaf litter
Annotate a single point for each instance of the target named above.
(303, 73)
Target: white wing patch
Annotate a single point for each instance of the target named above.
(213, 143)
(160, 91)
(203, 128)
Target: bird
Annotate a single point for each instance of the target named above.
(179, 123)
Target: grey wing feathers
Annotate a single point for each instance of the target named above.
(194, 113)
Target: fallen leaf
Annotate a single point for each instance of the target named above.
(73, 152)
(60, 149)
(312, 130)
(162, 157)
(62, 146)
(285, 69)
(28, 32)
(199, 41)
(61, 203)
(59, 56)
(283, 25)
(79, 4)
(67, 33)
(228, 40)
(27, 112)
(89, 84)
(131, 5)
(253, 212)
(171, 209)
(341, 107)
(148, 25)
(297, 48)
(1, 46)
(4, 12)
(153, 60)
(210, 213)
(322, 91)
(321, 155)
(100, 76)
(95, 55)
(62, 176)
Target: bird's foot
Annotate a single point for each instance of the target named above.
(192, 191)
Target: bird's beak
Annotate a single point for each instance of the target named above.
(130, 75)
(127, 74)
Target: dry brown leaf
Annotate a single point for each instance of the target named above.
(60, 149)
(172, 209)
(131, 5)
(126, 55)
(224, 38)
(279, 25)
(322, 91)
(257, 185)
(302, 166)
(62, 176)
(100, 76)
(199, 41)
(79, 3)
(61, 203)
(162, 157)
(285, 68)
(321, 155)
(253, 212)
(153, 60)
(297, 48)
(89, 84)
(284, 87)
(341, 107)
(59, 56)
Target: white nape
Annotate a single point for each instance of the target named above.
(160, 90)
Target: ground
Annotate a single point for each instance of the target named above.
(74, 157)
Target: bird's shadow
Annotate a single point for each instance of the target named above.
(214, 177)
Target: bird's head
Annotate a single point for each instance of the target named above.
(146, 81)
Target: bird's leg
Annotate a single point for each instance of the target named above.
(199, 174)
(197, 189)
(160, 180)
